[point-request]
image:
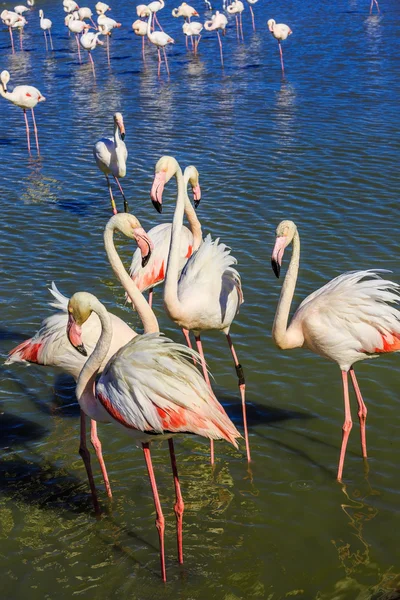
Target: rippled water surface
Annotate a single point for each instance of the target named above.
(321, 147)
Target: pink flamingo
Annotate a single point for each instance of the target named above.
(372, 5)
(159, 39)
(150, 389)
(77, 27)
(106, 25)
(208, 293)
(347, 320)
(45, 25)
(154, 7)
(10, 19)
(236, 8)
(218, 21)
(153, 273)
(24, 96)
(280, 31)
(89, 41)
(140, 28)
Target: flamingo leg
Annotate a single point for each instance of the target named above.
(187, 42)
(179, 505)
(108, 50)
(160, 521)
(113, 206)
(84, 452)
(20, 38)
(377, 5)
(206, 377)
(196, 44)
(188, 342)
(143, 54)
(94, 438)
(157, 21)
(92, 63)
(93, 23)
(159, 61)
(362, 412)
(242, 388)
(220, 49)
(51, 40)
(12, 39)
(280, 52)
(27, 131)
(252, 17)
(347, 425)
(241, 26)
(150, 298)
(36, 131)
(237, 27)
(166, 61)
(126, 206)
(79, 50)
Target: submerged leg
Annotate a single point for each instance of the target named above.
(27, 131)
(126, 206)
(84, 452)
(159, 61)
(220, 49)
(242, 388)
(36, 131)
(51, 40)
(179, 505)
(166, 61)
(160, 521)
(20, 38)
(113, 206)
(347, 425)
(206, 377)
(281, 55)
(92, 63)
(241, 26)
(362, 412)
(94, 438)
(143, 54)
(79, 49)
(108, 50)
(12, 40)
(252, 17)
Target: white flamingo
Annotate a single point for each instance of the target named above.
(89, 41)
(106, 25)
(160, 39)
(349, 319)
(26, 97)
(280, 31)
(236, 8)
(217, 21)
(20, 26)
(140, 29)
(154, 7)
(185, 10)
(10, 19)
(194, 28)
(45, 25)
(76, 26)
(70, 6)
(21, 9)
(208, 293)
(149, 389)
(101, 8)
(110, 155)
(85, 13)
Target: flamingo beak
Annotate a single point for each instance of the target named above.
(74, 334)
(157, 190)
(121, 128)
(195, 13)
(196, 195)
(277, 254)
(144, 243)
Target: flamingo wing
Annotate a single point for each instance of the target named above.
(104, 154)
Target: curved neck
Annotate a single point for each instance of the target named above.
(171, 299)
(194, 223)
(149, 25)
(117, 136)
(279, 328)
(86, 379)
(146, 315)
(4, 92)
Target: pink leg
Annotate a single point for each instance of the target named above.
(179, 505)
(79, 50)
(84, 452)
(93, 23)
(92, 63)
(347, 425)
(237, 27)
(27, 131)
(51, 40)
(108, 50)
(220, 49)
(143, 54)
(160, 521)
(241, 26)
(45, 39)
(187, 42)
(94, 438)
(362, 413)
(252, 18)
(155, 16)
(159, 61)
(12, 40)
(113, 206)
(166, 61)
(377, 5)
(280, 52)
(206, 377)
(36, 132)
(150, 298)
(196, 44)
(188, 342)
(242, 388)
(126, 207)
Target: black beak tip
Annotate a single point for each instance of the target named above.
(145, 259)
(82, 350)
(275, 267)
(196, 203)
(157, 205)
(122, 136)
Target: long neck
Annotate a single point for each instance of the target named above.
(171, 299)
(117, 136)
(194, 223)
(86, 379)
(149, 26)
(3, 92)
(279, 328)
(146, 315)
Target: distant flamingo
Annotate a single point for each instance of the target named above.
(85, 13)
(193, 29)
(142, 10)
(24, 96)
(185, 10)
(236, 8)
(218, 21)
(208, 293)
(154, 7)
(101, 8)
(10, 19)
(106, 25)
(21, 9)
(149, 389)
(89, 41)
(20, 25)
(50, 347)
(160, 39)
(148, 276)
(76, 26)
(140, 28)
(372, 5)
(45, 25)
(70, 6)
(280, 31)
(110, 155)
(250, 2)
(347, 320)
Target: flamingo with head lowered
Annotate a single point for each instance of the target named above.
(281, 32)
(160, 39)
(349, 319)
(217, 21)
(149, 389)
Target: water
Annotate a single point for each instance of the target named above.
(320, 147)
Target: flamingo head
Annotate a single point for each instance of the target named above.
(79, 310)
(41, 14)
(166, 168)
(285, 233)
(193, 174)
(119, 121)
(129, 225)
(271, 24)
(4, 78)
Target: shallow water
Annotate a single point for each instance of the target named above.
(321, 147)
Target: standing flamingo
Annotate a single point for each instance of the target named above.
(140, 28)
(24, 96)
(110, 155)
(85, 13)
(250, 2)
(159, 39)
(280, 31)
(236, 8)
(149, 388)
(218, 21)
(106, 25)
(45, 25)
(193, 29)
(10, 19)
(76, 26)
(70, 6)
(208, 293)
(101, 8)
(154, 7)
(21, 9)
(347, 320)
(20, 25)
(89, 41)
(148, 276)
(371, 7)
